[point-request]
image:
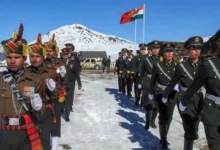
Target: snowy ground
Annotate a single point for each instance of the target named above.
(104, 119)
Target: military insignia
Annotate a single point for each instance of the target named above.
(196, 39)
(168, 45)
(71, 66)
(28, 90)
(142, 45)
(156, 42)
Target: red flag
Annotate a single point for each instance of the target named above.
(126, 17)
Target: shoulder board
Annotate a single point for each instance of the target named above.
(208, 57)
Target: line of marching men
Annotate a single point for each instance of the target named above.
(34, 98)
(193, 85)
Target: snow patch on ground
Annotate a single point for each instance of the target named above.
(106, 119)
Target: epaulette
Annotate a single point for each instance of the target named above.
(208, 57)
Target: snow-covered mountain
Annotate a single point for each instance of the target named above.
(86, 39)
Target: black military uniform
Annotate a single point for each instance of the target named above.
(161, 74)
(142, 71)
(145, 74)
(208, 75)
(121, 65)
(134, 73)
(184, 75)
(73, 75)
(117, 71)
(129, 74)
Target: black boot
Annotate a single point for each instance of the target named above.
(148, 115)
(163, 136)
(154, 116)
(188, 144)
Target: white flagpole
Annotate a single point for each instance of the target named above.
(144, 25)
(135, 33)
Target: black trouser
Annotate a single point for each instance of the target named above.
(69, 101)
(191, 117)
(103, 68)
(14, 140)
(211, 120)
(58, 108)
(119, 83)
(129, 84)
(136, 90)
(165, 110)
(151, 109)
(123, 83)
(46, 124)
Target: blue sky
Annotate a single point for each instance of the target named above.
(174, 20)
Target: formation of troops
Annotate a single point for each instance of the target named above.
(161, 83)
(34, 98)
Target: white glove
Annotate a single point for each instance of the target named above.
(176, 88)
(2, 69)
(36, 101)
(181, 107)
(151, 97)
(164, 100)
(62, 71)
(51, 84)
(139, 86)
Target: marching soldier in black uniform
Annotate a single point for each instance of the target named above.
(134, 73)
(129, 75)
(73, 63)
(116, 70)
(121, 65)
(208, 74)
(184, 75)
(145, 71)
(161, 74)
(73, 75)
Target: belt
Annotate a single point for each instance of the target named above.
(12, 121)
(161, 86)
(149, 76)
(183, 88)
(213, 98)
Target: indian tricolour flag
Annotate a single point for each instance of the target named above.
(139, 13)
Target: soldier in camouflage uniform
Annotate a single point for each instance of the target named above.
(116, 70)
(38, 69)
(161, 74)
(207, 75)
(73, 74)
(59, 74)
(20, 101)
(184, 74)
(145, 74)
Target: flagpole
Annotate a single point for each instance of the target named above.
(144, 25)
(135, 33)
